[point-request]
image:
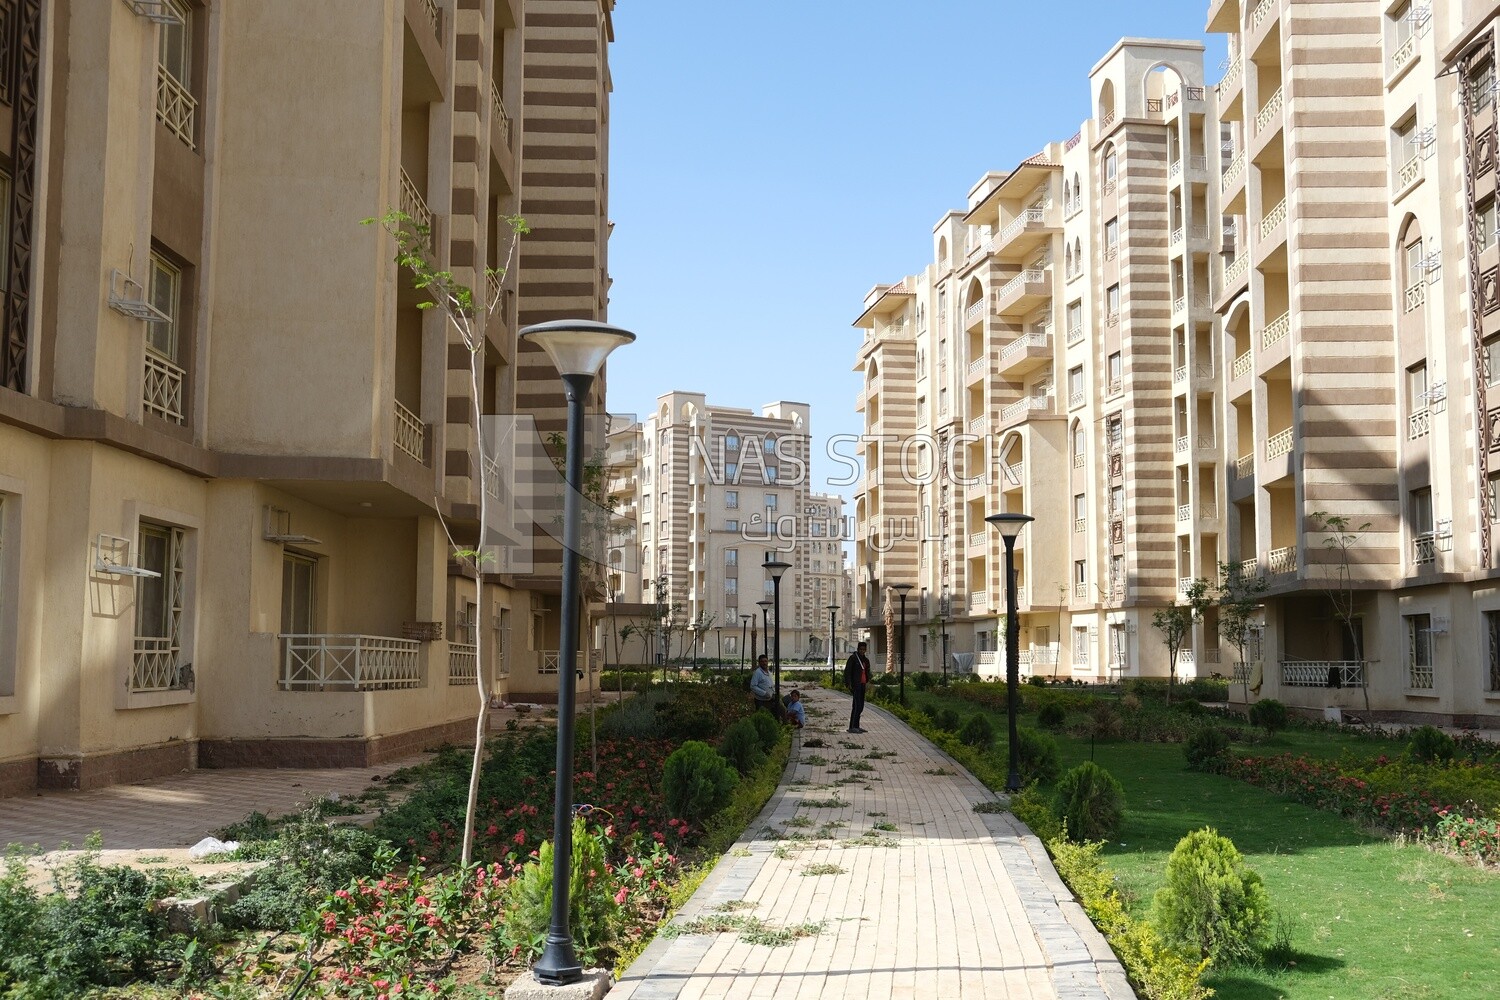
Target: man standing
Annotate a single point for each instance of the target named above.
(762, 686)
(857, 677)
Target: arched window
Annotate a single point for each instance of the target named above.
(1106, 111)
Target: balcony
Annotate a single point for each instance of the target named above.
(161, 391)
(1234, 272)
(463, 664)
(977, 369)
(979, 603)
(1275, 217)
(1244, 466)
(1275, 330)
(414, 206)
(1026, 353)
(978, 540)
(499, 120)
(1419, 423)
(1282, 560)
(1183, 441)
(1416, 295)
(1075, 334)
(1243, 365)
(1024, 292)
(1279, 444)
(349, 662)
(548, 660)
(1232, 171)
(1258, 16)
(1026, 408)
(1322, 673)
(1270, 111)
(176, 108)
(974, 314)
(977, 424)
(1023, 233)
(1230, 79)
(411, 433)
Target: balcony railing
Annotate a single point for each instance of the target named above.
(973, 312)
(1182, 443)
(1235, 269)
(1276, 329)
(1424, 549)
(1184, 512)
(463, 663)
(1080, 524)
(976, 425)
(1403, 54)
(1275, 217)
(1106, 121)
(349, 662)
(979, 602)
(1080, 592)
(175, 106)
(154, 666)
(411, 434)
(1021, 344)
(1322, 673)
(1075, 334)
(1409, 174)
(434, 15)
(1075, 398)
(1282, 560)
(161, 391)
(413, 205)
(1022, 407)
(976, 366)
(976, 540)
(1261, 12)
(1279, 444)
(1230, 78)
(501, 119)
(550, 658)
(1419, 423)
(1030, 276)
(1244, 466)
(1029, 216)
(1416, 294)
(1208, 510)
(1243, 365)
(1245, 569)
(1268, 111)
(1232, 170)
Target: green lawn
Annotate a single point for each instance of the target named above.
(1370, 919)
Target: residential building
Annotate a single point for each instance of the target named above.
(235, 455)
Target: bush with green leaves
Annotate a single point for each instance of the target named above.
(1090, 802)
(742, 747)
(1206, 748)
(1428, 744)
(307, 858)
(924, 680)
(766, 728)
(1051, 716)
(1270, 715)
(634, 718)
(591, 901)
(977, 732)
(1211, 903)
(948, 719)
(696, 781)
(1032, 808)
(1036, 757)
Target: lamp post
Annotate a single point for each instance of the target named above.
(1009, 525)
(776, 567)
(943, 624)
(745, 621)
(719, 635)
(693, 628)
(578, 349)
(833, 631)
(902, 588)
(765, 627)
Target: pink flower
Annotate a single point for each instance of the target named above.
(621, 896)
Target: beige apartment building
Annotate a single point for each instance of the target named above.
(1185, 336)
(232, 448)
(713, 492)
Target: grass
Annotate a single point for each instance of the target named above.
(1368, 917)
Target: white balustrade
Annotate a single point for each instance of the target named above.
(1275, 217)
(1279, 444)
(1244, 466)
(176, 108)
(413, 204)
(161, 389)
(1416, 295)
(1409, 174)
(1276, 330)
(349, 662)
(1270, 110)
(1243, 365)
(1318, 673)
(463, 663)
(1232, 170)
(1419, 423)
(1282, 560)
(411, 434)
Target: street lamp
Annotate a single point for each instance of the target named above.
(1009, 525)
(719, 635)
(833, 631)
(765, 627)
(745, 621)
(902, 588)
(578, 349)
(943, 624)
(693, 628)
(776, 567)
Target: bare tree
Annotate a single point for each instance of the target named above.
(462, 310)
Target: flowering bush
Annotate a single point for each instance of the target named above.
(1475, 839)
(591, 900)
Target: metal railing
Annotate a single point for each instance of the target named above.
(176, 108)
(411, 434)
(349, 661)
(154, 665)
(463, 663)
(1276, 329)
(161, 389)
(1424, 549)
(501, 119)
(413, 204)
(1279, 444)
(1282, 560)
(1208, 511)
(550, 659)
(1318, 673)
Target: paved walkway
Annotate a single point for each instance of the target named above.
(950, 903)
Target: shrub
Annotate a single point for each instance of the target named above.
(1032, 808)
(924, 681)
(948, 719)
(884, 694)
(1090, 802)
(1269, 714)
(1428, 744)
(1104, 720)
(591, 900)
(634, 718)
(741, 745)
(767, 729)
(1037, 680)
(1036, 757)
(1211, 902)
(308, 857)
(1188, 706)
(1051, 716)
(977, 732)
(696, 781)
(1206, 748)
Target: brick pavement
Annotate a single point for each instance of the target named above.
(951, 903)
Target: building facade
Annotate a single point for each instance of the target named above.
(228, 477)
(1212, 336)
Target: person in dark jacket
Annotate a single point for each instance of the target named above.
(857, 678)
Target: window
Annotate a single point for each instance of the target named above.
(1494, 499)
(770, 501)
(732, 524)
(1080, 444)
(1404, 142)
(158, 610)
(1416, 387)
(1116, 501)
(1419, 652)
(1492, 637)
(1080, 576)
(732, 499)
(770, 473)
(175, 54)
(166, 293)
(663, 528)
(769, 588)
(731, 586)
(1485, 223)
(1117, 573)
(1118, 657)
(1080, 646)
(1420, 511)
(1492, 358)
(1075, 317)
(732, 471)
(1482, 84)
(1111, 167)
(1112, 234)
(298, 599)
(646, 504)
(942, 402)
(665, 470)
(1116, 371)
(1112, 301)
(1080, 510)
(1114, 431)
(1075, 382)
(732, 441)
(4, 228)
(731, 557)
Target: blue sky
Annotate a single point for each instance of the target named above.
(772, 161)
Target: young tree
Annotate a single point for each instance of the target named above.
(1239, 602)
(462, 310)
(1175, 623)
(1342, 534)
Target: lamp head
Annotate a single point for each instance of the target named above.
(1009, 524)
(831, 607)
(577, 346)
(762, 604)
(901, 588)
(775, 567)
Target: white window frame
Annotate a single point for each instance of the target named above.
(191, 526)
